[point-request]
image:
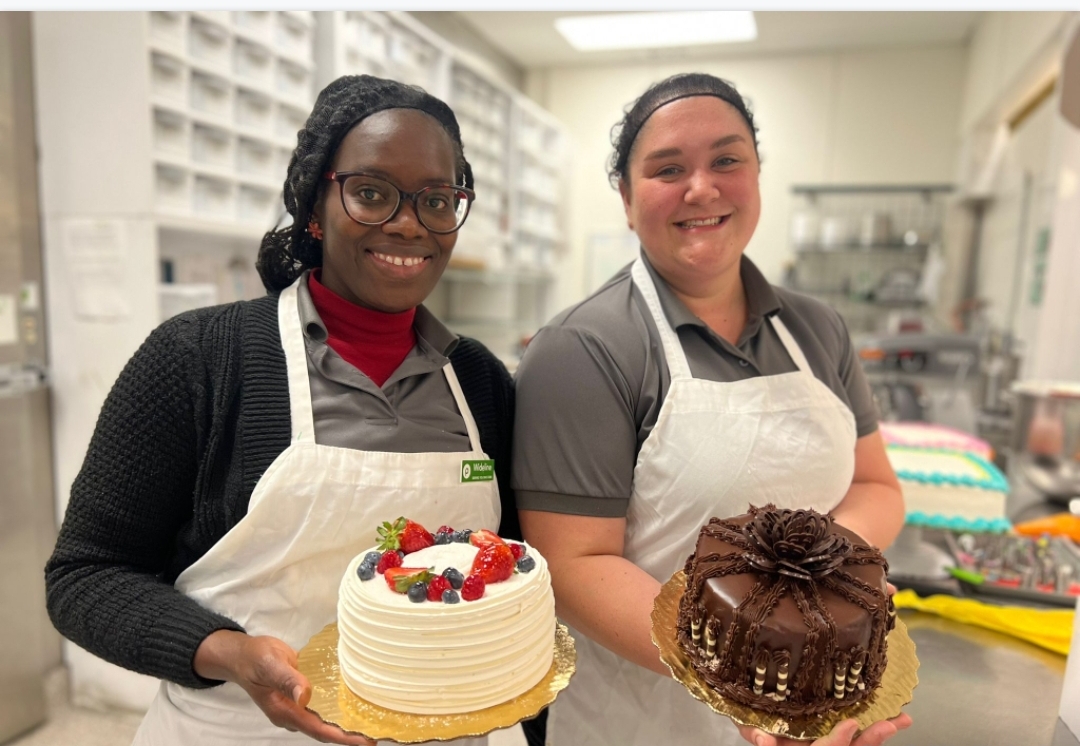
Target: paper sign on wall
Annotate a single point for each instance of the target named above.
(9, 325)
(96, 254)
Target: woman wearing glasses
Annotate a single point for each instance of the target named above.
(248, 451)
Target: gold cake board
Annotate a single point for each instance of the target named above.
(335, 703)
(897, 682)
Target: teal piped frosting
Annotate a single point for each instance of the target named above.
(954, 523)
(992, 478)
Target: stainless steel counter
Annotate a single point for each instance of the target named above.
(978, 687)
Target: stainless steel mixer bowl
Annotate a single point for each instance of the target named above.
(1046, 436)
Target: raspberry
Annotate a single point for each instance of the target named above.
(389, 559)
(445, 530)
(436, 586)
(472, 588)
(518, 550)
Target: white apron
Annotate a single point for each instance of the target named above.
(277, 571)
(715, 449)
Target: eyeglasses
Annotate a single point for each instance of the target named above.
(372, 201)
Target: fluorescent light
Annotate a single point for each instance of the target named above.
(644, 30)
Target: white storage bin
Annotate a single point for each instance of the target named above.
(256, 205)
(289, 121)
(253, 63)
(292, 81)
(211, 95)
(172, 189)
(211, 146)
(254, 110)
(254, 157)
(208, 43)
(168, 78)
(292, 36)
(220, 17)
(171, 133)
(213, 197)
(167, 29)
(256, 23)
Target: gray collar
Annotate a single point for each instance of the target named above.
(432, 335)
(761, 299)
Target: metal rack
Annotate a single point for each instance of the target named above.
(862, 248)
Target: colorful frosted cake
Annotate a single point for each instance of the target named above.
(786, 612)
(929, 435)
(444, 623)
(950, 489)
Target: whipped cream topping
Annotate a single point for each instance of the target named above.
(435, 658)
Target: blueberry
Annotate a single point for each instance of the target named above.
(366, 571)
(463, 535)
(401, 553)
(443, 537)
(454, 576)
(450, 596)
(526, 564)
(372, 557)
(418, 592)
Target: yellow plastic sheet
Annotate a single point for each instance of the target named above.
(1047, 628)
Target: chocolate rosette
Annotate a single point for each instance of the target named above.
(796, 543)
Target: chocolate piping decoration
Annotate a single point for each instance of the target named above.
(784, 572)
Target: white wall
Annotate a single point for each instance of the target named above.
(847, 117)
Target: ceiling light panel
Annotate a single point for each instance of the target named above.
(649, 30)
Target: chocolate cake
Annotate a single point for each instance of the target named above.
(786, 612)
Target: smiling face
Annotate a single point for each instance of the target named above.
(691, 192)
(394, 266)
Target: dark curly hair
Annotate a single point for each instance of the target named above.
(670, 89)
(286, 252)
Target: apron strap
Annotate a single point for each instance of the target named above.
(673, 351)
(463, 407)
(790, 344)
(292, 341)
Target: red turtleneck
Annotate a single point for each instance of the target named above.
(373, 341)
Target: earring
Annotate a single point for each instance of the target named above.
(315, 231)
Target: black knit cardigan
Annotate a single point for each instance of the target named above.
(195, 418)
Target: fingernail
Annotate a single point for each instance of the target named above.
(296, 692)
(759, 740)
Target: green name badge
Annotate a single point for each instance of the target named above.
(478, 471)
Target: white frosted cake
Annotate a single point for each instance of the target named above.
(412, 651)
(950, 489)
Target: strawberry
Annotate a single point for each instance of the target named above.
(518, 550)
(493, 563)
(389, 559)
(400, 578)
(472, 588)
(403, 534)
(483, 537)
(436, 587)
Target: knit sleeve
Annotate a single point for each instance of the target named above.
(104, 583)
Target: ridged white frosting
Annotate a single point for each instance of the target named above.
(435, 658)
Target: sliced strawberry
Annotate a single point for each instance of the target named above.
(494, 563)
(435, 588)
(415, 537)
(483, 537)
(472, 588)
(400, 578)
(390, 558)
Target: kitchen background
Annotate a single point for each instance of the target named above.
(920, 173)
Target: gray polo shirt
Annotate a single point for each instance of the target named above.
(413, 412)
(591, 383)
